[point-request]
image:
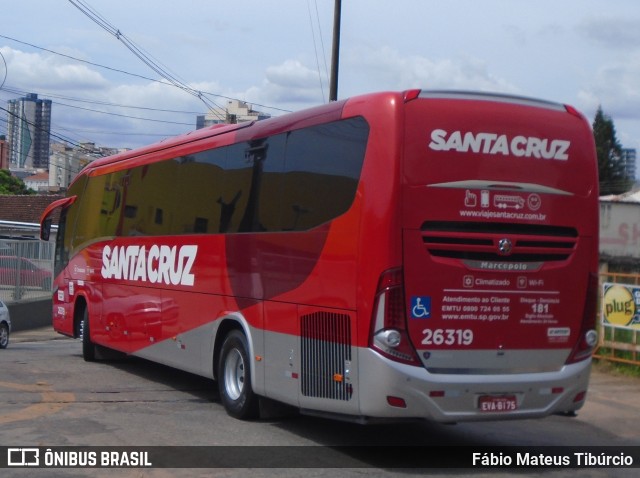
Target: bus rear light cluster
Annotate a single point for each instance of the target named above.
(588, 338)
(389, 333)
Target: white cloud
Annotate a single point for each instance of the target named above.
(387, 68)
(291, 74)
(616, 88)
(38, 71)
(290, 85)
(291, 82)
(612, 32)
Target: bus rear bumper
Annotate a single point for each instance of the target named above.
(393, 390)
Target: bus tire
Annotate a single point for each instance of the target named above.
(234, 378)
(88, 347)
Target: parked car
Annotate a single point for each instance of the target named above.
(31, 275)
(5, 325)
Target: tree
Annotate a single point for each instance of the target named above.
(11, 185)
(611, 167)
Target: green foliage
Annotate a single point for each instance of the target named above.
(611, 167)
(11, 185)
(614, 368)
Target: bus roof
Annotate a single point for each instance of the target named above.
(255, 129)
(495, 97)
(307, 117)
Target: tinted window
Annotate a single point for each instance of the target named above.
(199, 186)
(291, 181)
(149, 200)
(66, 226)
(322, 168)
(91, 219)
(271, 181)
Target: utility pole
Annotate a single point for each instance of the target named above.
(335, 52)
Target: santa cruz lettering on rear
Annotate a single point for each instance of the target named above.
(159, 265)
(492, 143)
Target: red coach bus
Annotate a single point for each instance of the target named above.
(395, 255)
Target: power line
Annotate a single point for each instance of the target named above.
(71, 141)
(116, 70)
(6, 70)
(65, 140)
(123, 116)
(93, 15)
(17, 91)
(59, 166)
(315, 48)
(322, 48)
(93, 110)
(116, 133)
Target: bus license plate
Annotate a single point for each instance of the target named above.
(497, 403)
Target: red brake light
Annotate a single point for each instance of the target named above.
(411, 95)
(571, 110)
(388, 324)
(588, 336)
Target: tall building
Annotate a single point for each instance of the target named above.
(629, 160)
(29, 126)
(65, 163)
(4, 153)
(235, 112)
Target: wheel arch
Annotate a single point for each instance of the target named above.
(80, 305)
(229, 322)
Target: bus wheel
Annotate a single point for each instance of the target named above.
(88, 347)
(234, 378)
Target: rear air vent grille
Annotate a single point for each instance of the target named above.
(499, 242)
(326, 355)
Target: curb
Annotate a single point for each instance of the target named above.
(41, 334)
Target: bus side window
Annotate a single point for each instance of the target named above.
(150, 197)
(236, 187)
(90, 224)
(267, 158)
(322, 169)
(200, 180)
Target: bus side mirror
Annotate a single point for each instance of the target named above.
(45, 229)
(46, 221)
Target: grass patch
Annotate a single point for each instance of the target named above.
(617, 368)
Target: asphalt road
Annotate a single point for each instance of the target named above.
(51, 397)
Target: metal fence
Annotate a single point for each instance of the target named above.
(619, 343)
(26, 270)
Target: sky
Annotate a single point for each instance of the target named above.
(276, 55)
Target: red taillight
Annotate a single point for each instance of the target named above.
(388, 324)
(411, 95)
(588, 337)
(571, 110)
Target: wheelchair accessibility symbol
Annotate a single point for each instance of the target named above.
(420, 307)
